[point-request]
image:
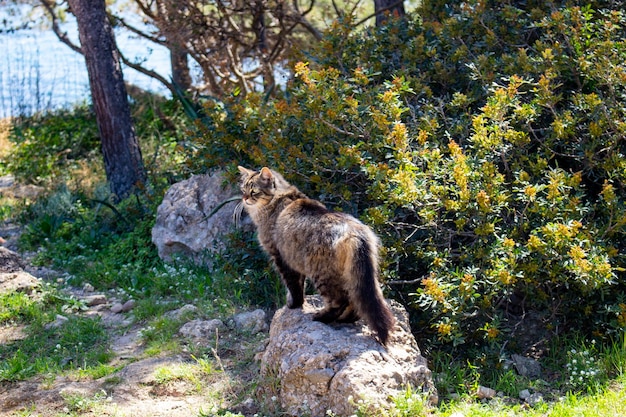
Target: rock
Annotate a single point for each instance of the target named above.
(183, 225)
(19, 281)
(534, 399)
(128, 305)
(200, 329)
(485, 393)
(95, 300)
(526, 367)
(88, 287)
(524, 394)
(10, 261)
(58, 322)
(117, 308)
(324, 367)
(252, 321)
(179, 313)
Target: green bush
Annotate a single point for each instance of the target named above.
(485, 144)
(47, 145)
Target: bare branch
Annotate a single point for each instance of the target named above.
(49, 6)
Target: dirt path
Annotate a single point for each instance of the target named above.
(134, 390)
(137, 388)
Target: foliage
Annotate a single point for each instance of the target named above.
(64, 145)
(486, 147)
(47, 145)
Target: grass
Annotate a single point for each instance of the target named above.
(110, 248)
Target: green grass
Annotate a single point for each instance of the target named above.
(80, 343)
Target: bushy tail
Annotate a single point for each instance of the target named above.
(367, 296)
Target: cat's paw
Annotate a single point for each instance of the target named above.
(325, 316)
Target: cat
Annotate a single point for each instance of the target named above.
(337, 252)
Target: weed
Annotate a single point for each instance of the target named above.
(18, 307)
(81, 343)
(80, 403)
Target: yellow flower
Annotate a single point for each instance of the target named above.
(577, 253)
(483, 200)
(492, 331)
(535, 243)
(508, 243)
(531, 192)
(444, 329)
(608, 193)
(432, 288)
(506, 278)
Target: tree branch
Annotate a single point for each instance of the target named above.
(49, 6)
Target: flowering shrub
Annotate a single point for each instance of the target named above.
(484, 143)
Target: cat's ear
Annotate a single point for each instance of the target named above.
(244, 171)
(266, 174)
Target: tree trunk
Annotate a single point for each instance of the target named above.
(122, 156)
(386, 8)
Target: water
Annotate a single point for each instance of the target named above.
(40, 73)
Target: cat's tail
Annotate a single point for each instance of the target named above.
(367, 296)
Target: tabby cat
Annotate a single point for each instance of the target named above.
(337, 252)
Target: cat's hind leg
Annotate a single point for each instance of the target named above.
(336, 303)
(349, 315)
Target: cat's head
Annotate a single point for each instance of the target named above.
(259, 187)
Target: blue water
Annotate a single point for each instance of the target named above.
(40, 73)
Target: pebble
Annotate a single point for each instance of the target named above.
(524, 395)
(58, 322)
(128, 305)
(94, 300)
(179, 313)
(117, 308)
(485, 393)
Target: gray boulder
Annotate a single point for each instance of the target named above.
(332, 367)
(183, 226)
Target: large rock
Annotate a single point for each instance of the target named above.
(183, 225)
(331, 367)
(19, 281)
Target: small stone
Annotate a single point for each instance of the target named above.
(485, 393)
(200, 329)
(527, 367)
(58, 322)
(179, 313)
(253, 321)
(117, 308)
(535, 399)
(88, 287)
(524, 395)
(128, 305)
(94, 300)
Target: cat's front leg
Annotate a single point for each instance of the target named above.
(295, 289)
(294, 281)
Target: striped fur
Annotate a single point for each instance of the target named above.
(337, 252)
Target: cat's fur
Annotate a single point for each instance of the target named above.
(337, 252)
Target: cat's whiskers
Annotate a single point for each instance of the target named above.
(237, 214)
